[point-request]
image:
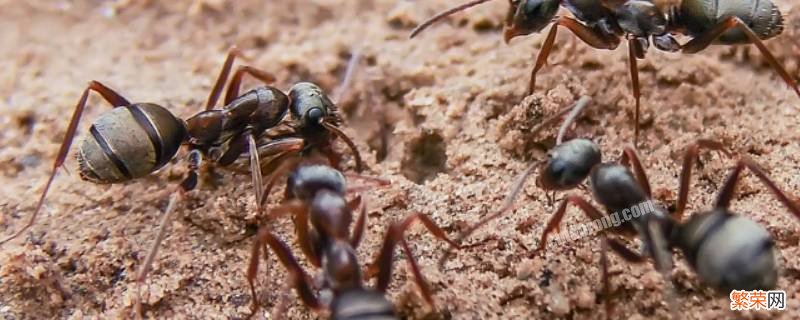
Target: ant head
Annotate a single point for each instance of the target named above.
(641, 18)
(306, 180)
(341, 266)
(309, 104)
(529, 16)
(569, 164)
(729, 252)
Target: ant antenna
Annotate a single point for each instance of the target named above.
(445, 14)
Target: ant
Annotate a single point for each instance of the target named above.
(728, 251)
(133, 140)
(318, 197)
(603, 23)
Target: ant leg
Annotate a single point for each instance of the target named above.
(235, 149)
(444, 14)
(255, 168)
(349, 74)
(369, 182)
(350, 144)
(508, 204)
(334, 158)
(541, 58)
(114, 99)
(623, 252)
(299, 211)
(551, 197)
(395, 235)
(630, 158)
(213, 96)
(573, 46)
(582, 204)
(236, 80)
(252, 268)
(633, 47)
(689, 158)
(188, 184)
(728, 189)
(606, 278)
(704, 40)
(590, 36)
(166, 218)
(358, 229)
(279, 151)
(297, 276)
(278, 167)
(577, 108)
(278, 148)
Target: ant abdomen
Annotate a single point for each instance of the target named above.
(129, 142)
(361, 303)
(763, 17)
(729, 252)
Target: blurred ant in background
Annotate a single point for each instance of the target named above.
(602, 24)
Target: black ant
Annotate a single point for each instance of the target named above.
(318, 197)
(603, 23)
(133, 140)
(726, 250)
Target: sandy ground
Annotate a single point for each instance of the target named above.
(443, 116)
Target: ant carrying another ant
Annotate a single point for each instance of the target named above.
(133, 140)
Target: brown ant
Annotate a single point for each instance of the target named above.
(603, 23)
(318, 197)
(726, 250)
(133, 140)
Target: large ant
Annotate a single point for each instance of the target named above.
(318, 197)
(603, 23)
(728, 251)
(134, 140)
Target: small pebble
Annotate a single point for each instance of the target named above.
(585, 297)
(558, 303)
(651, 280)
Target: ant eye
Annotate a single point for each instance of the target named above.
(315, 115)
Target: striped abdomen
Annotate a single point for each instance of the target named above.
(762, 16)
(129, 142)
(729, 251)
